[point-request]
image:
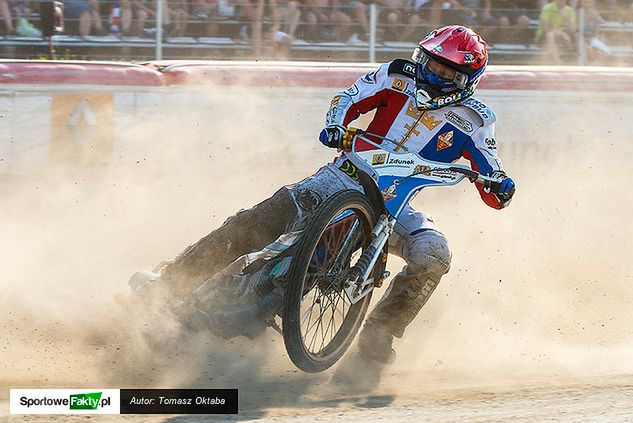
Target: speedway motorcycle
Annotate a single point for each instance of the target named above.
(314, 286)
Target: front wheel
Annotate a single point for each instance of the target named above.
(319, 321)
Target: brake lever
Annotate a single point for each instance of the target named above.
(472, 175)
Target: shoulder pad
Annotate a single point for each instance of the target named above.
(483, 111)
(402, 67)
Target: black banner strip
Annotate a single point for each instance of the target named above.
(179, 401)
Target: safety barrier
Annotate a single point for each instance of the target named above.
(78, 73)
(87, 113)
(290, 74)
(294, 74)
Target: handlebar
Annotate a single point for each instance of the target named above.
(489, 183)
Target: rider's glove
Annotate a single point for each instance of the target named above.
(332, 136)
(507, 188)
(504, 189)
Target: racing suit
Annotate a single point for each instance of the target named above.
(444, 135)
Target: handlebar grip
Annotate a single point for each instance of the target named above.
(348, 138)
(493, 186)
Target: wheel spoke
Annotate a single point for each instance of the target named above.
(316, 331)
(327, 330)
(328, 302)
(324, 328)
(332, 322)
(316, 322)
(323, 334)
(342, 297)
(314, 301)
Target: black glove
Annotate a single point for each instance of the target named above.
(332, 136)
(504, 189)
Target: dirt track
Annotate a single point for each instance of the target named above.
(531, 324)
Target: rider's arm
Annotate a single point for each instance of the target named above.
(481, 150)
(368, 92)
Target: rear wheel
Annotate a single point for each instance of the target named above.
(319, 321)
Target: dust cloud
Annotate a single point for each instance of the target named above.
(538, 293)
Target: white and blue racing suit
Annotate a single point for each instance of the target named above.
(444, 135)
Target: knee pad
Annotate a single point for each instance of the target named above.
(428, 252)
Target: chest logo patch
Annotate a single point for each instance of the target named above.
(445, 140)
(459, 121)
(398, 84)
(379, 159)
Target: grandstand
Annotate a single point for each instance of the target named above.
(607, 39)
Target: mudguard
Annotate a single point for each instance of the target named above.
(372, 192)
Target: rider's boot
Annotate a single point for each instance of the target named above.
(428, 259)
(360, 371)
(357, 373)
(402, 302)
(405, 297)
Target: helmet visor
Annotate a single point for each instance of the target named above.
(433, 71)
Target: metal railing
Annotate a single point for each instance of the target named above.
(351, 39)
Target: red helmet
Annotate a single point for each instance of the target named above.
(449, 64)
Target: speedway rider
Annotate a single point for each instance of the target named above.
(426, 106)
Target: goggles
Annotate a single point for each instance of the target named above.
(428, 66)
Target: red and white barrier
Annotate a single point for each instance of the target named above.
(320, 75)
(291, 74)
(88, 113)
(78, 73)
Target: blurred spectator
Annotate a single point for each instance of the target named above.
(23, 27)
(435, 12)
(282, 32)
(465, 12)
(325, 21)
(173, 17)
(357, 11)
(557, 26)
(572, 3)
(617, 10)
(426, 12)
(178, 14)
(398, 19)
(203, 10)
(132, 18)
(289, 15)
(282, 44)
(471, 13)
(512, 19)
(6, 17)
(86, 14)
(597, 49)
(207, 11)
(114, 13)
(255, 12)
(146, 9)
